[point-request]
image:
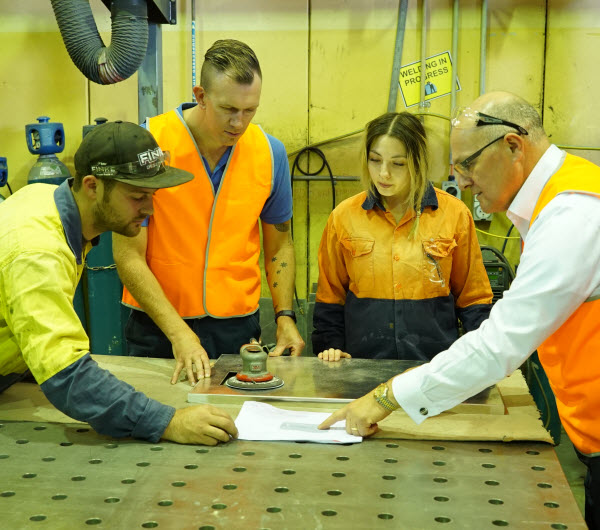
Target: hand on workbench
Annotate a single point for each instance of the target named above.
(190, 354)
(200, 424)
(287, 337)
(361, 416)
(333, 354)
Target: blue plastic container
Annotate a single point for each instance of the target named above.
(45, 138)
(3, 171)
(3, 174)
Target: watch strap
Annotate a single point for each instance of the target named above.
(285, 313)
(380, 396)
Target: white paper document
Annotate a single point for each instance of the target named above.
(259, 421)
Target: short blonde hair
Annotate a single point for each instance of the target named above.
(410, 131)
(233, 58)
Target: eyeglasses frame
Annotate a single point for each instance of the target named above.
(482, 120)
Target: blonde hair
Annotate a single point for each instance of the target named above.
(410, 131)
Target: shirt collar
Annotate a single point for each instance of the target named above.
(429, 199)
(521, 209)
(70, 219)
(222, 161)
(184, 106)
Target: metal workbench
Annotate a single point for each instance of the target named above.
(65, 476)
(57, 474)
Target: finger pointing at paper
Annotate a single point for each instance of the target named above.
(362, 414)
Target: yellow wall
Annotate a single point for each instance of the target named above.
(327, 67)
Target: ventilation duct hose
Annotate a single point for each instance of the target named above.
(129, 39)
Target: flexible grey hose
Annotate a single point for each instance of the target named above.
(129, 39)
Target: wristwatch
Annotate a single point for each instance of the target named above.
(285, 313)
(381, 396)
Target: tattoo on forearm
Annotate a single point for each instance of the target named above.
(278, 271)
(282, 227)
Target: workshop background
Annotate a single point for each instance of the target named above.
(327, 68)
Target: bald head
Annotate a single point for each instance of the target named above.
(494, 160)
(515, 109)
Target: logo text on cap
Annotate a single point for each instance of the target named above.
(148, 157)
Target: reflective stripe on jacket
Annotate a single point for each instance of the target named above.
(382, 295)
(204, 249)
(570, 356)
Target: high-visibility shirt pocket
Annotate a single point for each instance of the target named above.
(360, 262)
(437, 265)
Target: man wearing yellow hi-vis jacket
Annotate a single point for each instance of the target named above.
(47, 232)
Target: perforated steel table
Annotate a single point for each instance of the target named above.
(63, 476)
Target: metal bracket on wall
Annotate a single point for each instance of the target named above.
(150, 76)
(159, 11)
(478, 213)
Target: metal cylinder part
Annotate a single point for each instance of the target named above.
(254, 364)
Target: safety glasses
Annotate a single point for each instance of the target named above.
(148, 164)
(466, 118)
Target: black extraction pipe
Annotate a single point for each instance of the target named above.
(129, 38)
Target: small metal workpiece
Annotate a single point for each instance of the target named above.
(254, 374)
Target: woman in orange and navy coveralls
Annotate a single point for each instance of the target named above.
(399, 263)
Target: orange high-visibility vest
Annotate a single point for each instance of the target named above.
(204, 249)
(571, 355)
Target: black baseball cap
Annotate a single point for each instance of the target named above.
(126, 152)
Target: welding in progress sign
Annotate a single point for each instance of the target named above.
(438, 79)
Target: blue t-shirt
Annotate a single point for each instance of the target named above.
(278, 207)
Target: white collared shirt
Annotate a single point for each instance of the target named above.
(559, 270)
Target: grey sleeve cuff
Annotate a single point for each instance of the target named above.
(86, 392)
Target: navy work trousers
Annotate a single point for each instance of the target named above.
(217, 335)
(592, 490)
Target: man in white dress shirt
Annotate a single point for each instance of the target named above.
(501, 152)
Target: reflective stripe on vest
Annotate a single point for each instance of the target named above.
(571, 355)
(203, 249)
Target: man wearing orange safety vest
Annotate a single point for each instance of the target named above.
(503, 155)
(192, 275)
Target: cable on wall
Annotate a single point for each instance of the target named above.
(324, 164)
